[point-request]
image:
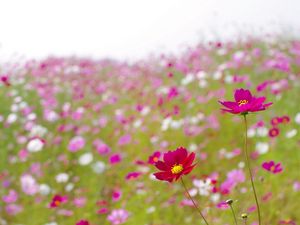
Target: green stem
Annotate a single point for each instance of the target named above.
(249, 168)
(233, 213)
(199, 211)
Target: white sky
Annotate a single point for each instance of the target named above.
(132, 29)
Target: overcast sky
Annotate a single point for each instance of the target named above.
(132, 28)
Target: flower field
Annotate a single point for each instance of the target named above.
(90, 142)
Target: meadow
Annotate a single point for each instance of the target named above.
(80, 137)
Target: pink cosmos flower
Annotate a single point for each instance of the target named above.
(5, 80)
(274, 132)
(272, 167)
(289, 222)
(76, 144)
(83, 222)
(116, 196)
(13, 209)
(276, 120)
(124, 140)
(57, 200)
(116, 158)
(29, 185)
(79, 202)
(11, 197)
(103, 210)
(133, 175)
(234, 177)
(244, 103)
(154, 158)
(118, 216)
(222, 205)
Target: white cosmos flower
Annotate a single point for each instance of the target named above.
(291, 133)
(62, 178)
(38, 130)
(35, 145)
(85, 159)
(145, 111)
(262, 131)
(12, 118)
(44, 189)
(262, 147)
(187, 79)
(251, 132)
(69, 187)
(297, 118)
(204, 186)
(98, 167)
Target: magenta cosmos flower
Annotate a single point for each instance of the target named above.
(245, 103)
(83, 222)
(176, 164)
(272, 167)
(57, 200)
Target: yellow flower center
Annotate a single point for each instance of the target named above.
(155, 159)
(242, 102)
(57, 203)
(176, 169)
(272, 168)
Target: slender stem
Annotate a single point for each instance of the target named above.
(199, 211)
(233, 213)
(249, 168)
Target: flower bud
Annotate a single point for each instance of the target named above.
(244, 215)
(229, 201)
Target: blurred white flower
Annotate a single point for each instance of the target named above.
(297, 118)
(14, 108)
(31, 116)
(69, 187)
(291, 133)
(166, 123)
(11, 118)
(85, 159)
(62, 177)
(137, 123)
(204, 186)
(251, 132)
(215, 197)
(44, 189)
(203, 83)
(228, 79)
(151, 209)
(262, 147)
(145, 111)
(187, 79)
(38, 130)
(98, 167)
(262, 131)
(35, 145)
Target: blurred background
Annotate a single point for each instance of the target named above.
(133, 29)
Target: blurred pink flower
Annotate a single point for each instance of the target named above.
(115, 158)
(11, 197)
(76, 144)
(124, 140)
(118, 216)
(29, 185)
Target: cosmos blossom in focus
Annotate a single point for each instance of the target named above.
(272, 167)
(176, 164)
(244, 103)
